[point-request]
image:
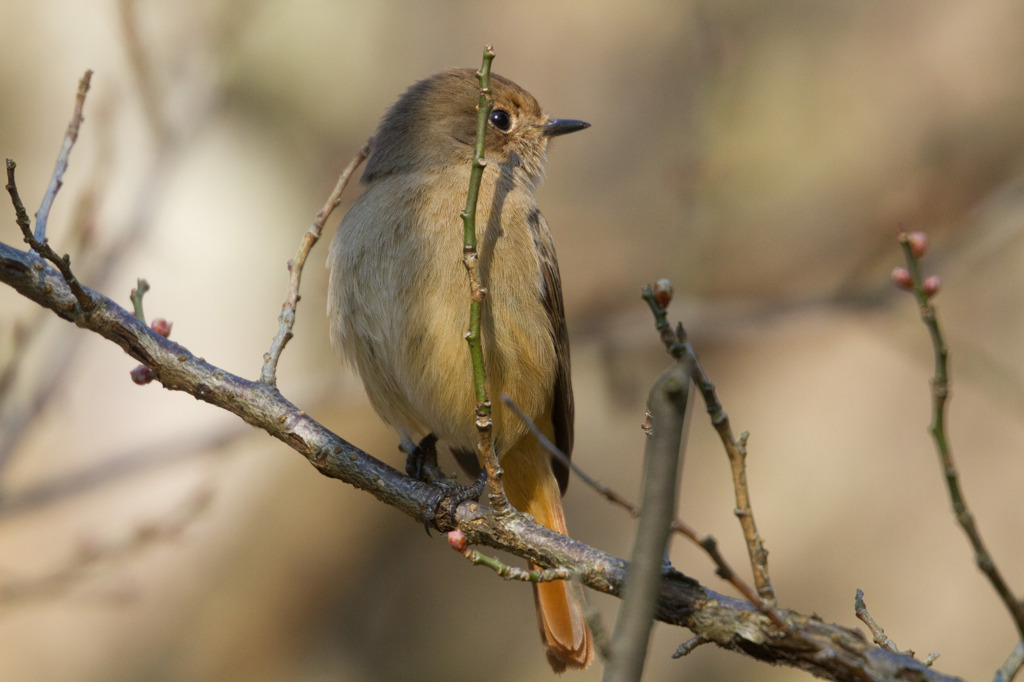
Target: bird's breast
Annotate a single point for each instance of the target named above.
(402, 296)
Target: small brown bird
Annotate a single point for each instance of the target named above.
(399, 299)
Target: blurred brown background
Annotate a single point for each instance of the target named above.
(760, 154)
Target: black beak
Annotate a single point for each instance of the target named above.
(561, 126)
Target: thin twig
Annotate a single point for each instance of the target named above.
(553, 449)
(484, 423)
(689, 645)
(1012, 665)
(286, 320)
(736, 448)
(37, 240)
(57, 179)
(136, 295)
(878, 636)
(705, 542)
(457, 539)
(42, 248)
(940, 397)
(20, 214)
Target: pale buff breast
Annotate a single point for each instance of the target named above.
(399, 302)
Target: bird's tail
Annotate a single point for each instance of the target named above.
(531, 488)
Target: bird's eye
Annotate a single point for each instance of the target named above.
(500, 119)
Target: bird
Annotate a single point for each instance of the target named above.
(398, 300)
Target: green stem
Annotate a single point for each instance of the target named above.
(136, 296)
(940, 398)
(470, 258)
(484, 107)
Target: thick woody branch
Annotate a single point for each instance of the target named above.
(820, 648)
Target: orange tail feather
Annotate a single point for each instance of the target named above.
(531, 488)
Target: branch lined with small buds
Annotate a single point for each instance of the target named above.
(915, 246)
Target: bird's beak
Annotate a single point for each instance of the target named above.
(561, 126)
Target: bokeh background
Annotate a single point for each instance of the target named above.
(759, 154)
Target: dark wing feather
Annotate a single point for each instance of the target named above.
(563, 409)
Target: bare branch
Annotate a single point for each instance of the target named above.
(1013, 664)
(57, 179)
(662, 467)
(878, 636)
(915, 245)
(735, 448)
(286, 320)
(37, 240)
(706, 542)
(823, 649)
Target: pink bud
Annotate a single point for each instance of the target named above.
(901, 277)
(918, 242)
(457, 539)
(931, 285)
(663, 292)
(161, 327)
(142, 375)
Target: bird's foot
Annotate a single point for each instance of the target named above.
(421, 462)
(448, 495)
